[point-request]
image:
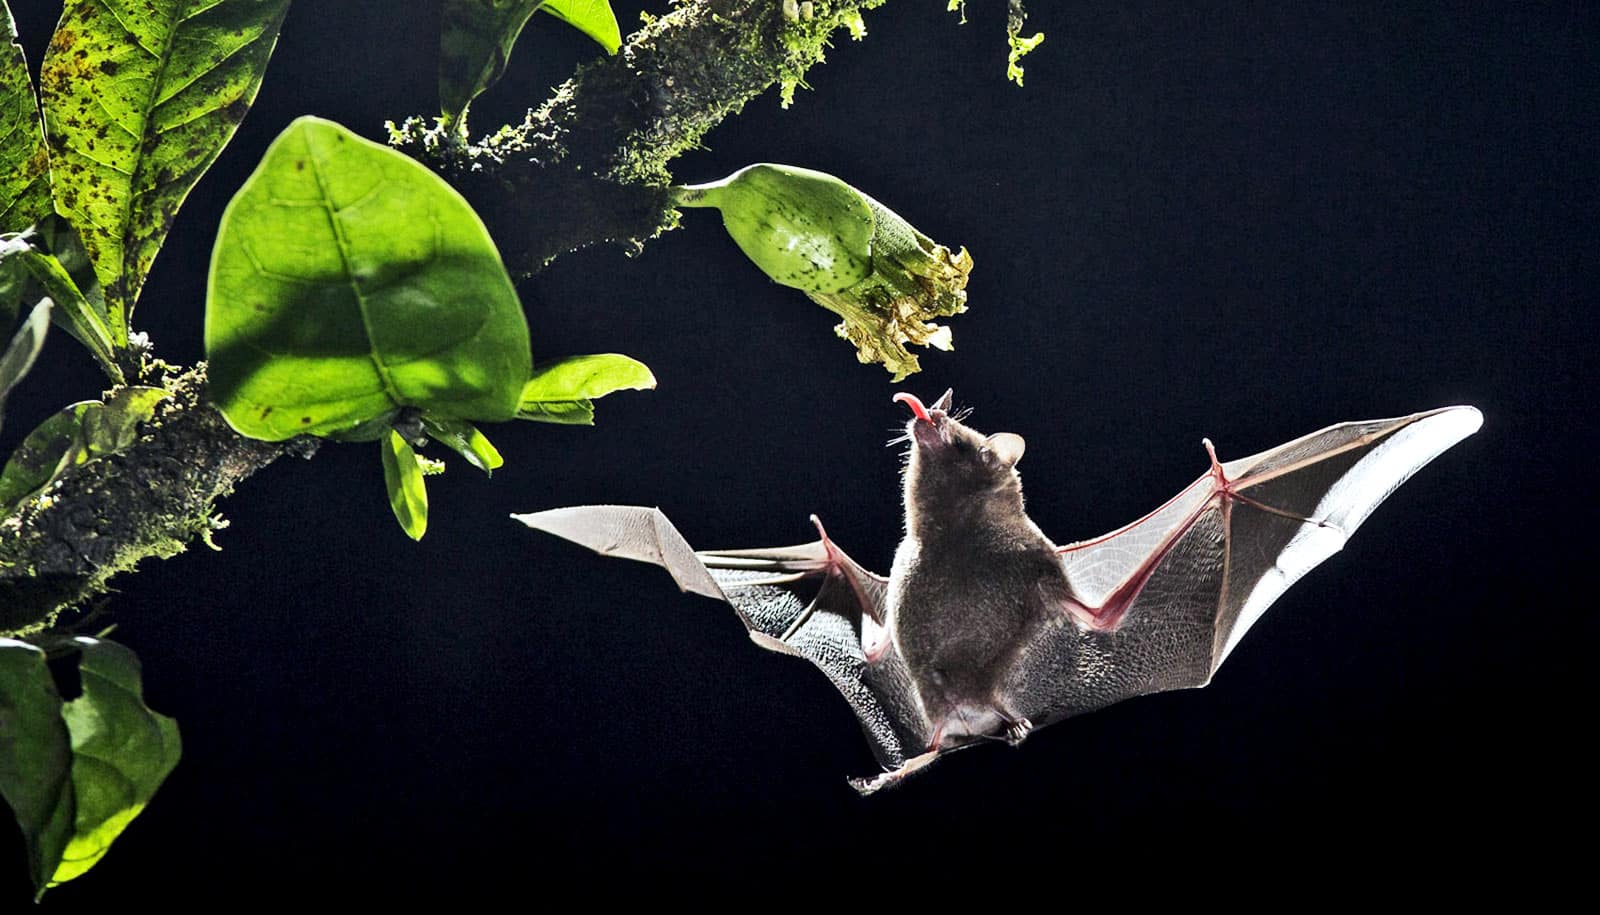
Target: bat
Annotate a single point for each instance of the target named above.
(985, 629)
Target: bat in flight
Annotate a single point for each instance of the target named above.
(984, 628)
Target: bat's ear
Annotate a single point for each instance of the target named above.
(943, 403)
(1007, 446)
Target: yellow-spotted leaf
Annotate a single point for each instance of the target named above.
(24, 163)
(139, 98)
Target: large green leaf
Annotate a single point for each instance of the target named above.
(76, 773)
(23, 349)
(24, 163)
(76, 434)
(348, 281)
(121, 753)
(591, 17)
(564, 391)
(477, 36)
(408, 495)
(139, 98)
(35, 756)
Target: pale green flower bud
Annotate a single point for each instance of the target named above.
(846, 251)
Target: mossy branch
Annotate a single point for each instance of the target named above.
(105, 516)
(591, 164)
(587, 166)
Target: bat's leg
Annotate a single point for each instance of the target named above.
(1017, 728)
(882, 780)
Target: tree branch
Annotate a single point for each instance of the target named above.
(588, 166)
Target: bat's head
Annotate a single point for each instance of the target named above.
(955, 470)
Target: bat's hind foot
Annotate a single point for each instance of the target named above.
(1017, 730)
(866, 786)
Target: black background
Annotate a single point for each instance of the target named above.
(1245, 222)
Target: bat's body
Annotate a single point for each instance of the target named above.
(985, 629)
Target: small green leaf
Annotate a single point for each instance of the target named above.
(24, 161)
(139, 99)
(594, 18)
(55, 445)
(121, 753)
(35, 756)
(579, 377)
(75, 313)
(24, 348)
(561, 412)
(116, 428)
(476, 39)
(408, 495)
(464, 439)
(76, 773)
(349, 281)
(75, 435)
(563, 391)
(16, 283)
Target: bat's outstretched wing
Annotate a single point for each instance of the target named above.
(809, 600)
(1160, 603)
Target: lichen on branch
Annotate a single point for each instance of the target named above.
(60, 549)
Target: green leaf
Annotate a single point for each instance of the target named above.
(475, 41)
(349, 281)
(35, 756)
(76, 773)
(75, 435)
(24, 161)
(579, 377)
(563, 391)
(24, 348)
(16, 283)
(74, 312)
(115, 428)
(477, 37)
(121, 753)
(49, 450)
(464, 439)
(408, 495)
(139, 97)
(561, 412)
(591, 17)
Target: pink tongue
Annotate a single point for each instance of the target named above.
(916, 406)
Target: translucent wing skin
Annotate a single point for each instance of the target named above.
(810, 600)
(1182, 585)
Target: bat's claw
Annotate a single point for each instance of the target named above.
(1017, 730)
(866, 786)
